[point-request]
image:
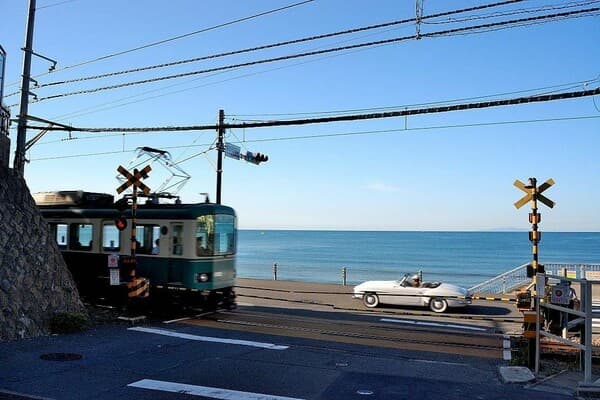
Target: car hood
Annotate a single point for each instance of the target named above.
(385, 286)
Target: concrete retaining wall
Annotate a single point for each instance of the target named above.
(34, 280)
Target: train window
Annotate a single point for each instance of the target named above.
(215, 235)
(205, 228)
(110, 237)
(60, 233)
(177, 239)
(146, 236)
(81, 236)
(224, 234)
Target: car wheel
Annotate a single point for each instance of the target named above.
(438, 305)
(370, 300)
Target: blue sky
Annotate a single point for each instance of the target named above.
(449, 171)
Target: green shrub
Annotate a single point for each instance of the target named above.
(68, 322)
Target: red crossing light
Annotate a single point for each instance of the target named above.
(121, 223)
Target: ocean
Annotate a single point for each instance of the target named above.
(462, 258)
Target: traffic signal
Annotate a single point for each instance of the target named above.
(121, 223)
(261, 157)
(256, 158)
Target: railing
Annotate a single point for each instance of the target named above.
(503, 283)
(517, 277)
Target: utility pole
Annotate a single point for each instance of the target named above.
(19, 162)
(220, 149)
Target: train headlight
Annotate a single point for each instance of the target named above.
(202, 277)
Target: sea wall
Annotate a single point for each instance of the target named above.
(35, 283)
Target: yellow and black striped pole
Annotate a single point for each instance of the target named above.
(534, 236)
(133, 228)
(533, 194)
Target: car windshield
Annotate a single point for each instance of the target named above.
(404, 278)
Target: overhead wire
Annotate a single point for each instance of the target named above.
(342, 118)
(112, 105)
(332, 135)
(325, 51)
(522, 24)
(163, 41)
(55, 4)
(538, 90)
(531, 10)
(277, 44)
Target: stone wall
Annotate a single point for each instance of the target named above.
(35, 283)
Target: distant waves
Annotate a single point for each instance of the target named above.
(463, 258)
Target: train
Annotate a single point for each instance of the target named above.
(187, 252)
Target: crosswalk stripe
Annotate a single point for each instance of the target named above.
(164, 332)
(205, 391)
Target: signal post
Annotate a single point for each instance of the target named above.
(138, 287)
(535, 270)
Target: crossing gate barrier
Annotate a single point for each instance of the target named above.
(138, 288)
(529, 324)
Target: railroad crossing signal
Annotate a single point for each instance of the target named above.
(134, 179)
(121, 223)
(532, 191)
(533, 194)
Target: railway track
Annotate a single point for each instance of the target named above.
(481, 310)
(379, 334)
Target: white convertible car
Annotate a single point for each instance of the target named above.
(411, 291)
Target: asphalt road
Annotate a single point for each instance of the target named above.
(183, 360)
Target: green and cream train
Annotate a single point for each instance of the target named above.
(187, 251)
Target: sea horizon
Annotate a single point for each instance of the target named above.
(508, 230)
(466, 258)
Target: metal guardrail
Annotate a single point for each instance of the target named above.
(504, 282)
(517, 277)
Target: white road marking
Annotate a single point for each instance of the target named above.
(507, 355)
(163, 332)
(440, 362)
(171, 321)
(424, 323)
(205, 391)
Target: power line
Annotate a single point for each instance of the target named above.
(342, 118)
(330, 135)
(498, 14)
(324, 51)
(274, 45)
(55, 4)
(543, 90)
(175, 37)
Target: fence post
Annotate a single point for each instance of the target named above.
(587, 300)
(274, 271)
(344, 276)
(504, 284)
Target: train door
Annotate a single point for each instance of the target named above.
(175, 252)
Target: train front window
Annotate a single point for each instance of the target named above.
(215, 235)
(224, 234)
(81, 236)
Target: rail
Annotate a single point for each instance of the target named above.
(517, 277)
